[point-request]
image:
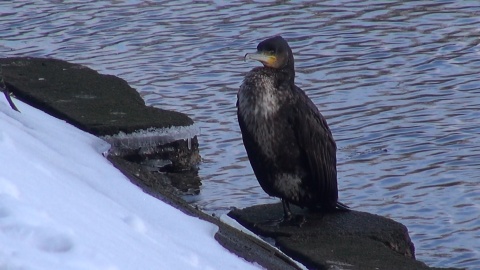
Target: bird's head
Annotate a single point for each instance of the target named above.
(273, 52)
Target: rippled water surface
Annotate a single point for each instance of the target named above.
(398, 82)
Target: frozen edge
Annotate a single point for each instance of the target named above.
(151, 137)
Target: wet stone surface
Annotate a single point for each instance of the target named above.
(96, 103)
(342, 240)
(105, 106)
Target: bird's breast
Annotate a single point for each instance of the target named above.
(258, 96)
(258, 109)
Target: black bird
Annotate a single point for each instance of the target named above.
(288, 142)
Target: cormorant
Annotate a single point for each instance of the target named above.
(288, 142)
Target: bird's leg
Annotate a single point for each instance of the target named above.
(289, 219)
(287, 214)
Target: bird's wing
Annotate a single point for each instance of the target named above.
(317, 147)
(253, 149)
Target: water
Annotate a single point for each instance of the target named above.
(397, 80)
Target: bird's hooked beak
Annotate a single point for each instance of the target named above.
(266, 59)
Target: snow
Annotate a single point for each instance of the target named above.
(64, 206)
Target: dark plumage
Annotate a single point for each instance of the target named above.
(288, 142)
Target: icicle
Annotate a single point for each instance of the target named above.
(148, 138)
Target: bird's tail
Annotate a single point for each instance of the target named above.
(332, 207)
(342, 207)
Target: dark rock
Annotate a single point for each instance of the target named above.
(96, 103)
(106, 106)
(342, 240)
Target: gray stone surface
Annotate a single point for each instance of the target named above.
(96, 103)
(341, 240)
(103, 105)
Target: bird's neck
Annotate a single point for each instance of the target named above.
(286, 76)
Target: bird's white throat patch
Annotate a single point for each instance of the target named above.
(267, 105)
(263, 103)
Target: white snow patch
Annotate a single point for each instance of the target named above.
(64, 206)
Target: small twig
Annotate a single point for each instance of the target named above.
(5, 90)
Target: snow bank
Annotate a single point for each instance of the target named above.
(64, 206)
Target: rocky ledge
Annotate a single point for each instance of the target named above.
(105, 106)
(341, 240)
(158, 150)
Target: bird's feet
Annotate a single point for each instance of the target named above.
(294, 220)
(291, 220)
